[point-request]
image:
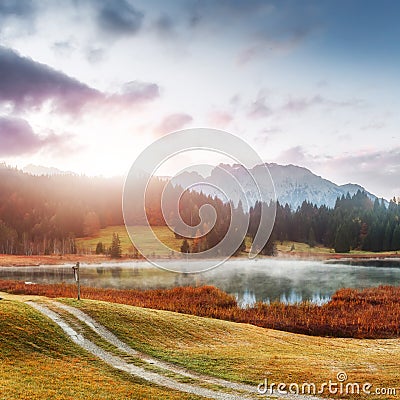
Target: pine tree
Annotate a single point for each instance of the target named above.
(387, 239)
(99, 248)
(115, 250)
(363, 233)
(270, 247)
(185, 247)
(311, 237)
(396, 239)
(341, 240)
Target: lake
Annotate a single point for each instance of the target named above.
(249, 281)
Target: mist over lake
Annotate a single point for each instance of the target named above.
(249, 281)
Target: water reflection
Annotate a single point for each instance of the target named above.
(266, 280)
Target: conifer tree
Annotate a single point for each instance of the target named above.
(341, 240)
(115, 250)
(99, 248)
(311, 237)
(185, 247)
(396, 239)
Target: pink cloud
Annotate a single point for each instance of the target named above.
(220, 119)
(17, 137)
(173, 122)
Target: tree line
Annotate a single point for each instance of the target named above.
(44, 215)
(355, 222)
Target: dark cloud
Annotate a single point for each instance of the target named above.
(222, 14)
(17, 138)
(264, 46)
(173, 122)
(17, 8)
(119, 18)
(215, 16)
(27, 84)
(164, 25)
(261, 27)
(17, 17)
(287, 29)
(207, 10)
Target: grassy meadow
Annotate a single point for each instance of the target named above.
(296, 247)
(87, 245)
(37, 361)
(245, 353)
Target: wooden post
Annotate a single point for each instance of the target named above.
(79, 282)
(76, 276)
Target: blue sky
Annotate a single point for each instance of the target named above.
(86, 85)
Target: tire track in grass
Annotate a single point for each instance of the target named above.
(153, 377)
(119, 363)
(111, 338)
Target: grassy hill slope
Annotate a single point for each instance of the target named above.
(37, 361)
(246, 353)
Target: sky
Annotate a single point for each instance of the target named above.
(86, 85)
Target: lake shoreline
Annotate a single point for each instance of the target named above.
(36, 261)
(267, 280)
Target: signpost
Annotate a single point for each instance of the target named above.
(76, 277)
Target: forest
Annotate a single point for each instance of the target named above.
(44, 215)
(355, 222)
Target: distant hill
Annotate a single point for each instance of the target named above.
(41, 170)
(293, 184)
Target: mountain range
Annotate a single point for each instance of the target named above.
(293, 184)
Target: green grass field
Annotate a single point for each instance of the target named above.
(88, 244)
(297, 247)
(304, 248)
(165, 235)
